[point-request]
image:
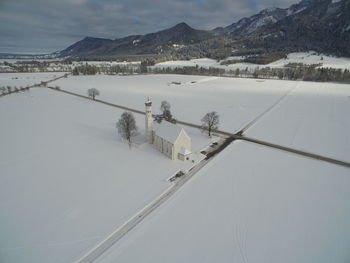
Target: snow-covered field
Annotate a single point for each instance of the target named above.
(250, 204)
(237, 101)
(309, 58)
(306, 58)
(67, 181)
(314, 117)
(207, 63)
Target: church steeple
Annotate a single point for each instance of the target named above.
(149, 121)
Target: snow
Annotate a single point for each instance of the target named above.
(309, 58)
(313, 118)
(168, 131)
(26, 79)
(185, 151)
(207, 63)
(297, 57)
(237, 101)
(57, 65)
(67, 181)
(305, 115)
(292, 12)
(250, 204)
(260, 22)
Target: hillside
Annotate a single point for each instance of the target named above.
(320, 25)
(161, 42)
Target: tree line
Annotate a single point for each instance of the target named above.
(88, 69)
(306, 73)
(295, 71)
(12, 89)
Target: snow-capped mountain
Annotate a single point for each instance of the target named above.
(154, 43)
(248, 25)
(321, 25)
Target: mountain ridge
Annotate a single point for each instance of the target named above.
(300, 27)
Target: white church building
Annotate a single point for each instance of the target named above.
(169, 138)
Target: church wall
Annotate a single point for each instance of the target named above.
(168, 149)
(158, 143)
(163, 146)
(182, 141)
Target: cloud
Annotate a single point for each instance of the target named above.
(51, 25)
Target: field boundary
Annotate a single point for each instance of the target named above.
(237, 136)
(37, 85)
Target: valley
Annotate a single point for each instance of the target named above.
(98, 180)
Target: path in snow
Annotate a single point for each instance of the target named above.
(250, 124)
(97, 251)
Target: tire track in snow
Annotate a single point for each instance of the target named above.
(251, 123)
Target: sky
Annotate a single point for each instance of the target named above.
(45, 26)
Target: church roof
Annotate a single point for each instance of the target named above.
(168, 131)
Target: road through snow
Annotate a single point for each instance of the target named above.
(97, 251)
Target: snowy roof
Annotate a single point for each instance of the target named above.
(184, 151)
(168, 131)
(148, 102)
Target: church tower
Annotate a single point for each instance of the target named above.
(149, 121)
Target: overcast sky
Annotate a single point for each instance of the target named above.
(37, 26)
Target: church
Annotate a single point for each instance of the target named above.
(169, 138)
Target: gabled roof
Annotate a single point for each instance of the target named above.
(168, 131)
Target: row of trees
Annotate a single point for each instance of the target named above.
(306, 73)
(10, 89)
(86, 70)
(294, 71)
(36, 66)
(109, 70)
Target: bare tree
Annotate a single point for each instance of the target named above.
(210, 122)
(93, 93)
(166, 114)
(165, 106)
(127, 126)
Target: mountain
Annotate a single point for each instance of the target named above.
(248, 25)
(160, 42)
(85, 46)
(320, 25)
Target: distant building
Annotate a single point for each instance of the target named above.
(170, 139)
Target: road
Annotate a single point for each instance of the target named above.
(237, 136)
(36, 85)
(98, 250)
